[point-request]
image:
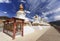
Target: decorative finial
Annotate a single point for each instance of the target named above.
(21, 6)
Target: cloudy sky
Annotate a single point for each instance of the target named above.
(48, 9)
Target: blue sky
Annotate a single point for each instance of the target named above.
(48, 9)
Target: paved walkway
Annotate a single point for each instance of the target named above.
(32, 36)
(51, 35)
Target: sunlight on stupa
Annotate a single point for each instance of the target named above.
(28, 28)
(21, 13)
(29, 20)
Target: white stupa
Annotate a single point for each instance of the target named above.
(21, 14)
(39, 21)
(36, 19)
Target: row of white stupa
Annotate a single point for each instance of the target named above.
(36, 18)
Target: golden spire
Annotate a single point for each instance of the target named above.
(21, 6)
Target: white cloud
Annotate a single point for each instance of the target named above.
(51, 3)
(46, 19)
(5, 12)
(57, 10)
(23, 1)
(4, 1)
(7, 1)
(52, 11)
(43, 0)
(27, 11)
(1, 1)
(57, 17)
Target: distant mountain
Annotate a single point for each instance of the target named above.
(57, 23)
(3, 17)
